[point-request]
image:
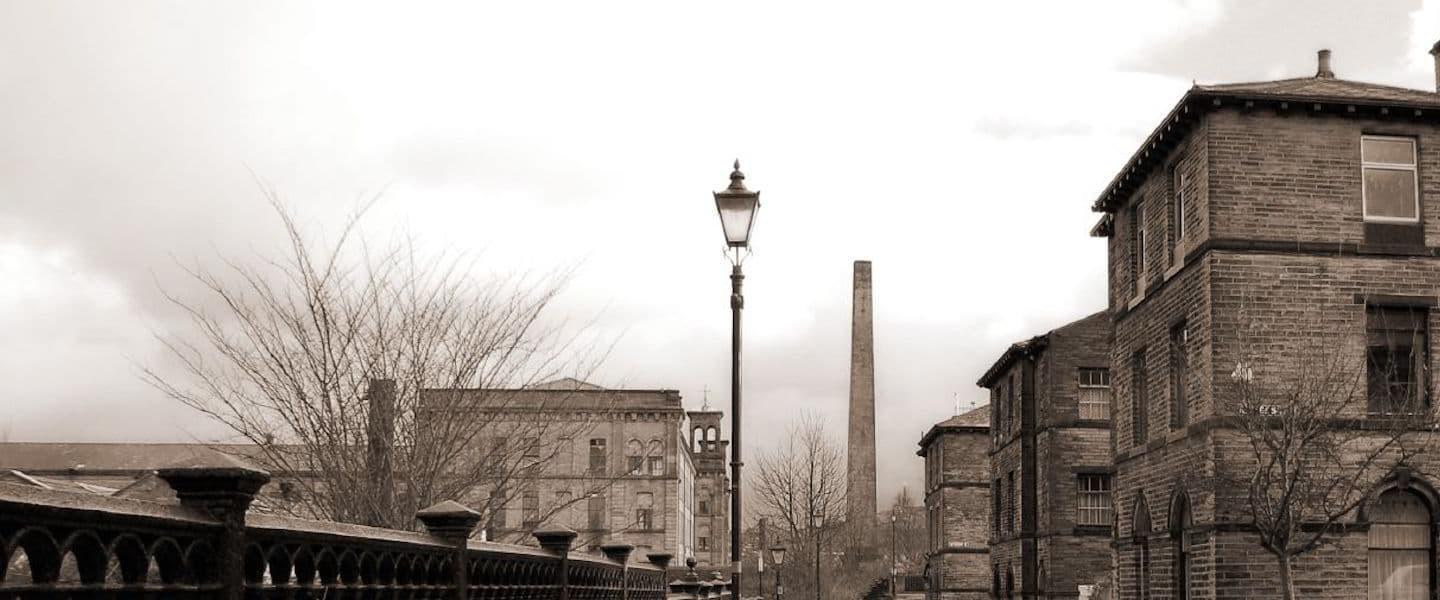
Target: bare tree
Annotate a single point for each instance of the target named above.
(1323, 423)
(801, 478)
(324, 358)
(908, 531)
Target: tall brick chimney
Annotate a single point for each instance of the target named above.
(860, 448)
(1435, 52)
(380, 446)
(1324, 72)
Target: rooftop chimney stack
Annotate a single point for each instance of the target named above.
(1435, 52)
(1324, 71)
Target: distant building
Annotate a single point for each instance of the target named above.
(627, 469)
(957, 467)
(1051, 514)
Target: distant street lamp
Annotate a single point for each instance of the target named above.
(817, 521)
(737, 207)
(894, 559)
(777, 557)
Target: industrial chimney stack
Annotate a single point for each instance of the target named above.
(860, 455)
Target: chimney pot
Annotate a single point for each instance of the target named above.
(1324, 71)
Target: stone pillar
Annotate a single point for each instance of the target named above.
(453, 522)
(223, 488)
(860, 449)
(620, 553)
(559, 541)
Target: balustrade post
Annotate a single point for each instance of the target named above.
(559, 541)
(689, 583)
(222, 487)
(621, 554)
(453, 522)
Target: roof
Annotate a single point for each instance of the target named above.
(1322, 94)
(974, 420)
(40, 458)
(1030, 347)
(566, 383)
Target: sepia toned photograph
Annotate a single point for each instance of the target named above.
(639, 300)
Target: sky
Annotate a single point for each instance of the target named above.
(957, 146)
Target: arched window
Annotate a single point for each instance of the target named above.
(995, 582)
(699, 439)
(634, 456)
(1009, 582)
(1140, 529)
(655, 458)
(1400, 549)
(711, 437)
(1179, 522)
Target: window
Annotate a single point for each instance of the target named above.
(698, 439)
(532, 448)
(655, 458)
(1179, 522)
(1015, 411)
(1140, 526)
(597, 456)
(497, 511)
(645, 511)
(712, 439)
(565, 455)
(1177, 214)
(1398, 364)
(997, 412)
(1399, 547)
(1095, 394)
(1389, 191)
(1013, 517)
(530, 509)
(702, 538)
(997, 500)
(704, 507)
(634, 457)
(1139, 402)
(595, 510)
(1093, 501)
(1137, 245)
(1179, 373)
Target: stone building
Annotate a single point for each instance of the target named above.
(1260, 225)
(620, 466)
(712, 488)
(1050, 513)
(957, 496)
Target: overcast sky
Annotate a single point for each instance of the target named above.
(956, 145)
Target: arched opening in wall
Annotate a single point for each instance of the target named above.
(995, 580)
(1140, 529)
(655, 458)
(697, 439)
(712, 439)
(1180, 521)
(1400, 548)
(634, 457)
(1009, 583)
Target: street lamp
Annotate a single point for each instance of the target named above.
(777, 557)
(894, 559)
(737, 207)
(817, 520)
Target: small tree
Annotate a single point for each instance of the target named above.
(1321, 430)
(324, 358)
(804, 476)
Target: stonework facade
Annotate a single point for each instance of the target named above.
(712, 489)
(1256, 230)
(860, 443)
(1050, 474)
(957, 496)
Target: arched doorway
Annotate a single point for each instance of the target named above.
(1180, 520)
(1400, 546)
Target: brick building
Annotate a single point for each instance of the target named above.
(957, 501)
(1257, 222)
(1050, 470)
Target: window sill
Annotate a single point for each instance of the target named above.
(1134, 302)
(1174, 270)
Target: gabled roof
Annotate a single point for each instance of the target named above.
(41, 458)
(1029, 347)
(1322, 94)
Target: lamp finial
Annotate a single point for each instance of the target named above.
(737, 179)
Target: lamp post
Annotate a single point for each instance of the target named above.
(816, 521)
(777, 558)
(737, 207)
(894, 559)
